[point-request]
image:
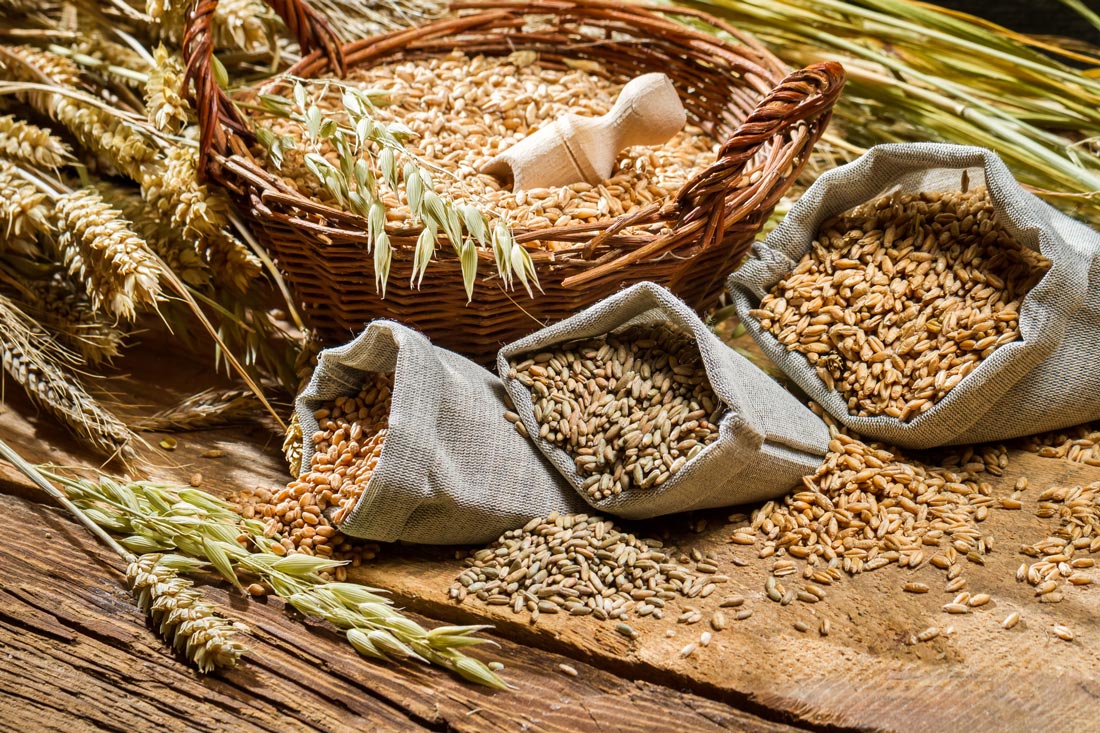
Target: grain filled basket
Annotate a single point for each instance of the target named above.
(416, 439)
(923, 298)
(735, 92)
(646, 412)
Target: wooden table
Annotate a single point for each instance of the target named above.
(77, 655)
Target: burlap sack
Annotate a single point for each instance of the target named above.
(767, 440)
(1050, 379)
(452, 469)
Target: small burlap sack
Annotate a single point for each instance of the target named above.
(452, 469)
(1049, 379)
(767, 439)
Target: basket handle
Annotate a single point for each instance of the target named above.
(805, 95)
(212, 104)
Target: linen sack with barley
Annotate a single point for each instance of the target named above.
(1047, 378)
(766, 439)
(452, 469)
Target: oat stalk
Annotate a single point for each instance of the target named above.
(369, 150)
(181, 616)
(155, 517)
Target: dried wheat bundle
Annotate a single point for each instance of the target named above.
(918, 72)
(97, 244)
(23, 142)
(102, 131)
(36, 364)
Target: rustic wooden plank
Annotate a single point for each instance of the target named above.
(860, 677)
(78, 656)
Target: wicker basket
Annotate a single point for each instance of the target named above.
(689, 243)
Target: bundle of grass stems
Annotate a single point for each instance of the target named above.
(918, 72)
(108, 233)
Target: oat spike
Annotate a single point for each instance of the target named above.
(181, 616)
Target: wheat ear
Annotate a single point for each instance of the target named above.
(97, 244)
(23, 211)
(165, 105)
(210, 408)
(179, 252)
(67, 310)
(245, 24)
(199, 213)
(22, 142)
(33, 361)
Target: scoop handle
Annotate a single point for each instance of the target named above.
(647, 112)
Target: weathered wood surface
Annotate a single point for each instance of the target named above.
(85, 660)
(76, 655)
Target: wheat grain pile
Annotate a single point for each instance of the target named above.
(900, 298)
(466, 110)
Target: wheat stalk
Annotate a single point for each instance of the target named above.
(168, 18)
(183, 618)
(33, 361)
(245, 24)
(211, 408)
(292, 445)
(198, 213)
(97, 244)
(22, 142)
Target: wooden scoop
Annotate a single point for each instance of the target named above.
(574, 148)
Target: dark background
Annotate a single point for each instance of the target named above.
(1042, 17)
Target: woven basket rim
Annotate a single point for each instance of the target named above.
(228, 150)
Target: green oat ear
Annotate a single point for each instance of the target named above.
(188, 517)
(352, 184)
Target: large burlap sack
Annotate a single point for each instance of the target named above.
(1049, 379)
(767, 439)
(452, 469)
